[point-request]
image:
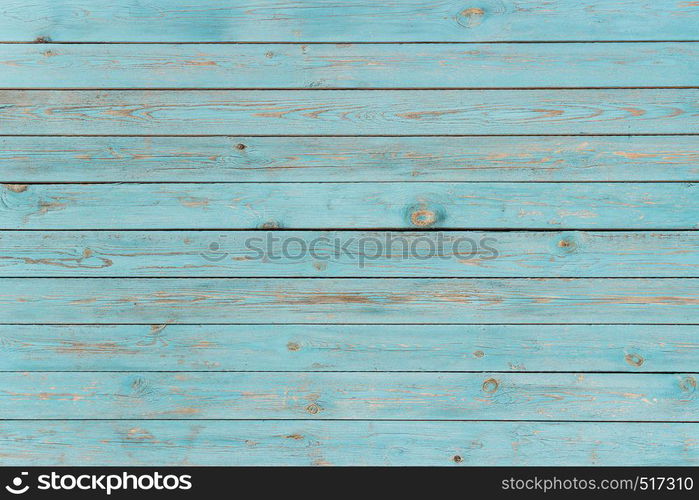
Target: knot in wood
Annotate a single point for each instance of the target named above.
(490, 386)
(271, 224)
(423, 218)
(471, 17)
(688, 384)
(313, 408)
(634, 359)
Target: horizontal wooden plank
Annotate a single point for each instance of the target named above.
(349, 66)
(319, 348)
(306, 442)
(293, 395)
(345, 159)
(350, 206)
(298, 300)
(351, 20)
(343, 112)
(352, 254)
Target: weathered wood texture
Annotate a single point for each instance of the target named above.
(298, 300)
(349, 20)
(349, 66)
(306, 442)
(411, 396)
(346, 159)
(347, 254)
(360, 112)
(350, 206)
(138, 313)
(352, 348)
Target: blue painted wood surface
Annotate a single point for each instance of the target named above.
(579, 159)
(352, 348)
(351, 396)
(348, 254)
(346, 159)
(350, 20)
(357, 300)
(348, 65)
(350, 206)
(350, 112)
(307, 442)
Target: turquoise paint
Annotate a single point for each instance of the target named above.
(346, 159)
(524, 136)
(138, 442)
(350, 112)
(348, 66)
(353, 348)
(361, 300)
(349, 21)
(351, 396)
(350, 206)
(348, 254)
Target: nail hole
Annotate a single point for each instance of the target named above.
(458, 459)
(240, 146)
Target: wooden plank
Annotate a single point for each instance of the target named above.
(293, 395)
(348, 66)
(345, 159)
(352, 254)
(219, 442)
(320, 300)
(350, 206)
(320, 348)
(349, 112)
(351, 20)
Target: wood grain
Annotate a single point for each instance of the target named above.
(409, 396)
(321, 348)
(350, 20)
(346, 159)
(307, 443)
(298, 300)
(138, 326)
(347, 254)
(348, 65)
(350, 206)
(350, 112)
